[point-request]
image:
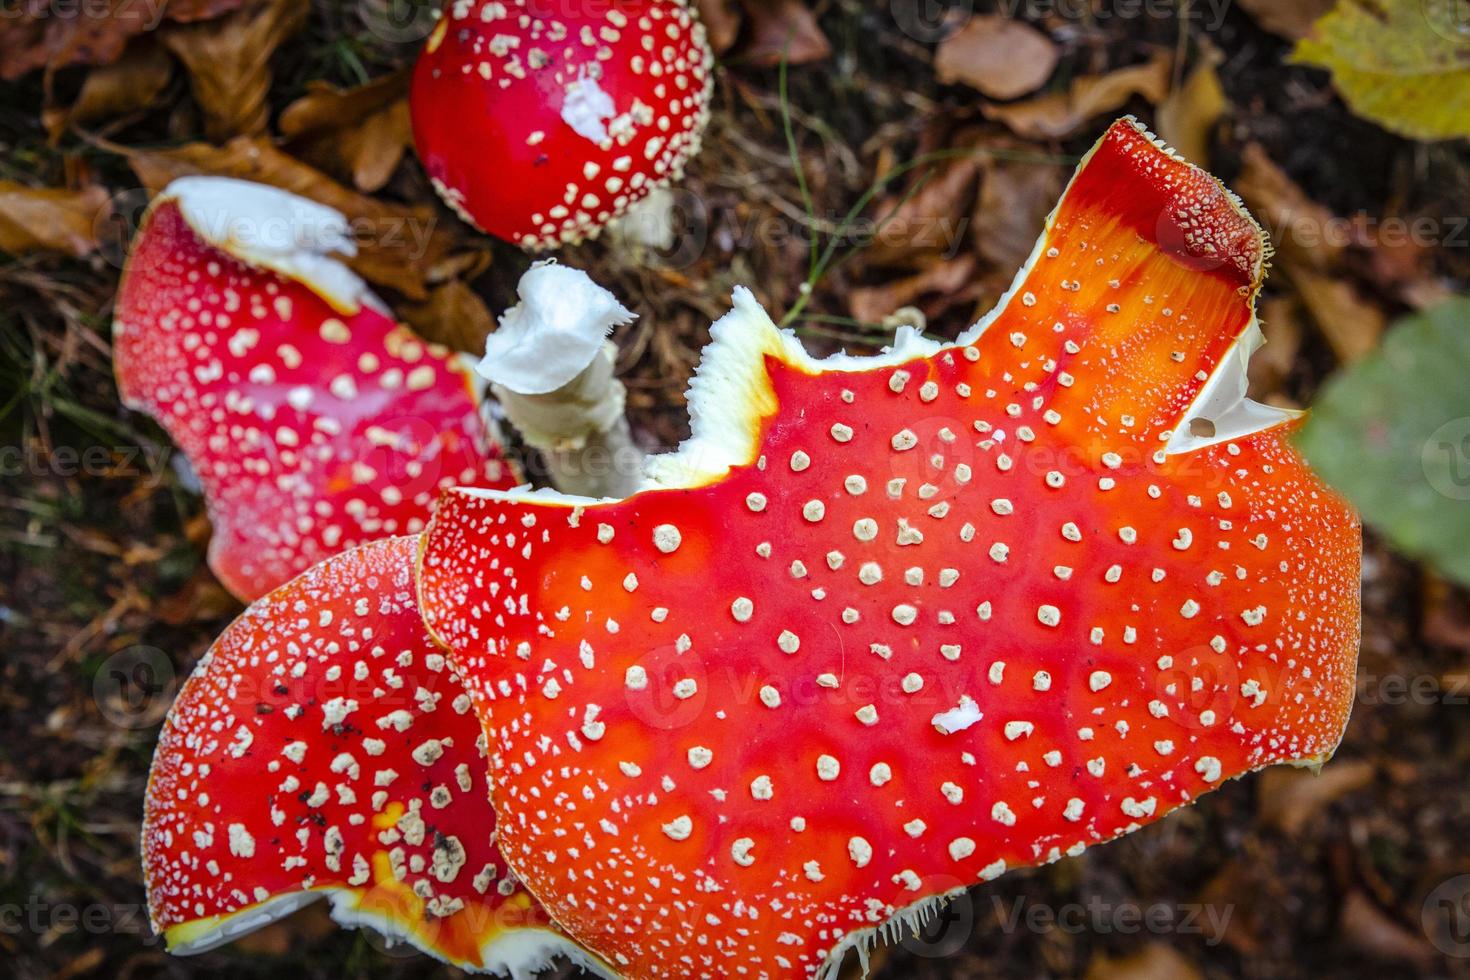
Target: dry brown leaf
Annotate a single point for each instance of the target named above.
(1281, 323)
(1310, 245)
(454, 315)
(1299, 227)
(1155, 961)
(929, 222)
(1365, 927)
(872, 303)
(358, 135)
(402, 247)
(1015, 199)
(44, 34)
(722, 20)
(1002, 57)
(1351, 324)
(1060, 114)
(50, 219)
(1290, 798)
(228, 61)
(1187, 116)
(784, 28)
(1288, 18)
(110, 91)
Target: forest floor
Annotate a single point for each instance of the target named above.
(106, 602)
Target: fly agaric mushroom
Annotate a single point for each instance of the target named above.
(551, 368)
(541, 125)
(322, 749)
(887, 627)
(313, 421)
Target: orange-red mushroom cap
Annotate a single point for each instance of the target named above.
(886, 627)
(323, 749)
(542, 122)
(313, 421)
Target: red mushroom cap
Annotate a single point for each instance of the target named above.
(540, 123)
(896, 625)
(323, 749)
(313, 421)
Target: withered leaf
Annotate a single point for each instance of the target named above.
(1060, 114)
(1187, 117)
(402, 247)
(49, 219)
(1291, 798)
(1291, 19)
(228, 60)
(110, 91)
(946, 277)
(784, 28)
(722, 20)
(1000, 56)
(43, 34)
(454, 316)
(1310, 242)
(358, 135)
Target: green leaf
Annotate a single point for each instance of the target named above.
(1393, 433)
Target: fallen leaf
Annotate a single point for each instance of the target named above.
(1188, 115)
(1392, 433)
(454, 315)
(931, 220)
(1351, 324)
(1155, 961)
(1310, 244)
(228, 61)
(1404, 64)
(784, 29)
(1446, 618)
(358, 135)
(403, 247)
(1367, 929)
(45, 34)
(48, 219)
(1060, 114)
(1000, 56)
(722, 20)
(1302, 231)
(1011, 211)
(131, 83)
(871, 304)
(1291, 19)
(1281, 324)
(1290, 798)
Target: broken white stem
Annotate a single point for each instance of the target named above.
(552, 370)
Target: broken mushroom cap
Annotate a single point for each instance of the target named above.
(313, 421)
(553, 372)
(322, 749)
(540, 126)
(886, 627)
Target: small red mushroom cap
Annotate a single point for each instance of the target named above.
(887, 627)
(541, 122)
(313, 421)
(323, 749)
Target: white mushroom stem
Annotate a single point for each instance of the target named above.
(551, 368)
